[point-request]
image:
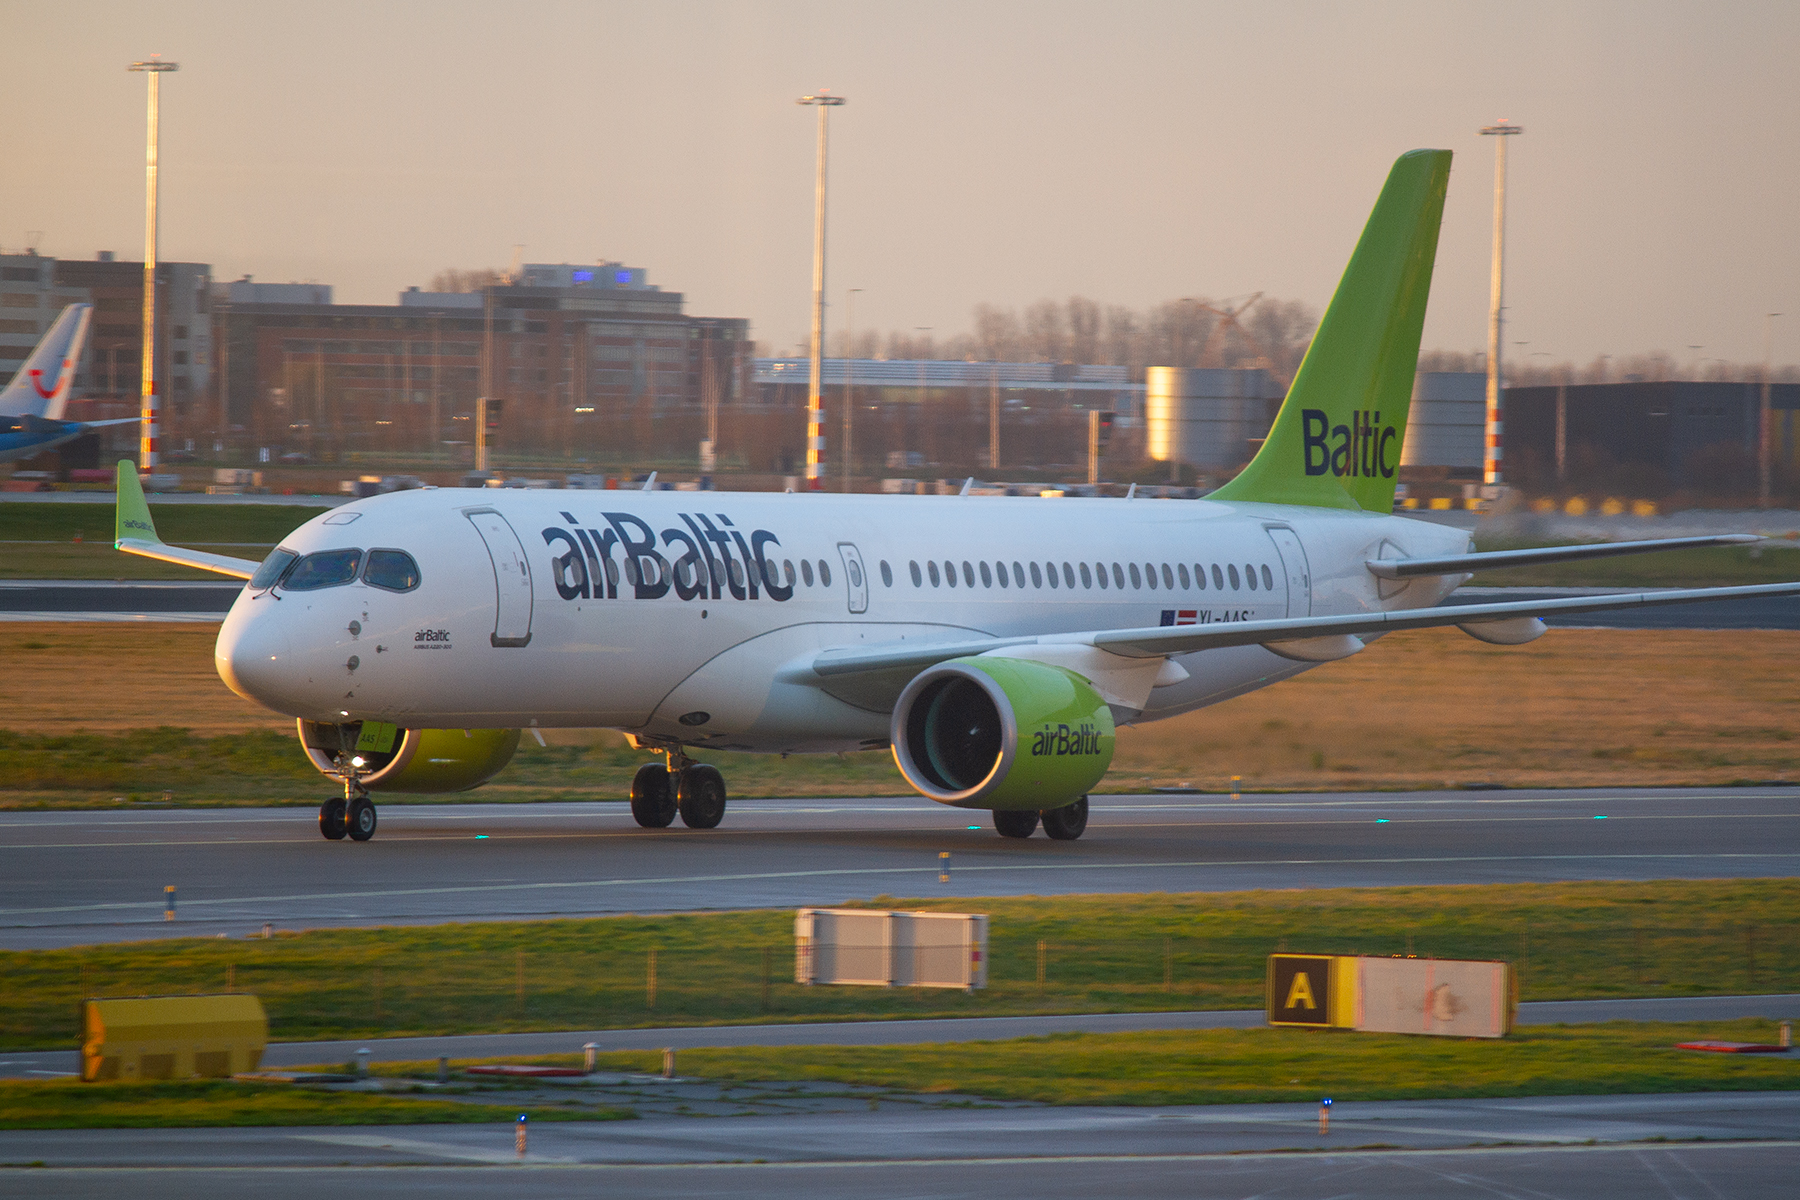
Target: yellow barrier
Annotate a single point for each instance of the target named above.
(172, 1037)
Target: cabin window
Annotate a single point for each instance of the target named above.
(968, 573)
(1118, 577)
(1050, 572)
(1218, 577)
(1268, 579)
(1037, 577)
(887, 574)
(327, 568)
(1250, 576)
(987, 576)
(1150, 575)
(1019, 574)
(1068, 575)
(1181, 570)
(806, 571)
(1169, 578)
(392, 570)
(273, 568)
(949, 572)
(932, 567)
(1000, 570)
(1087, 578)
(1100, 574)
(824, 572)
(914, 568)
(787, 569)
(1232, 571)
(1136, 580)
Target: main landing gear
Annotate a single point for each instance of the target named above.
(694, 790)
(1065, 824)
(353, 815)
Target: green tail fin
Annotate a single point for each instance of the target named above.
(132, 519)
(1336, 441)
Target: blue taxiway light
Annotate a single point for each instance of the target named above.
(975, 828)
(481, 837)
(1599, 816)
(1381, 820)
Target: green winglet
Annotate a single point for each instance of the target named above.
(1336, 441)
(133, 518)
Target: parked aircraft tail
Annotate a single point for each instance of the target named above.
(1336, 441)
(42, 386)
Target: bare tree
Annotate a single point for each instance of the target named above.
(456, 280)
(1083, 345)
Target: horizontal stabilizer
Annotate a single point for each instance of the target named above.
(1493, 560)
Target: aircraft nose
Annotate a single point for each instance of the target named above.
(254, 658)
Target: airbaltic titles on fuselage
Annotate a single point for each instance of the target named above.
(715, 560)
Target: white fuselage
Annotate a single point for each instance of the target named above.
(582, 622)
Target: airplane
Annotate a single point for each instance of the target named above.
(31, 411)
(992, 644)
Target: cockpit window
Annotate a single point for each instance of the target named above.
(272, 569)
(327, 568)
(394, 570)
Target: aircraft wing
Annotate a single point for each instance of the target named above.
(1306, 639)
(1457, 564)
(135, 533)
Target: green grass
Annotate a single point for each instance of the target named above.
(1229, 1066)
(71, 1104)
(37, 541)
(1717, 566)
(256, 767)
(1101, 954)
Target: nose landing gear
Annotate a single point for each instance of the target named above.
(353, 815)
(693, 790)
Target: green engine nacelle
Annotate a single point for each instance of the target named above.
(1002, 733)
(422, 761)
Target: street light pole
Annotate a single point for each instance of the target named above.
(815, 411)
(1764, 450)
(150, 414)
(849, 376)
(1493, 464)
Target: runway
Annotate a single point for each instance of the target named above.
(1571, 1146)
(70, 878)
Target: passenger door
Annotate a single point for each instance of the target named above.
(1293, 561)
(512, 578)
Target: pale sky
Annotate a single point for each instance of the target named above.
(1000, 152)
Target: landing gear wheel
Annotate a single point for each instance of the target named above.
(652, 796)
(1014, 824)
(1067, 823)
(331, 820)
(360, 819)
(701, 796)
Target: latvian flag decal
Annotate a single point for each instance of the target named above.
(1184, 616)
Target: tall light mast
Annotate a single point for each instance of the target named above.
(151, 405)
(815, 411)
(1493, 457)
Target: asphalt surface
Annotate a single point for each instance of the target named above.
(89, 600)
(1739, 1144)
(69, 878)
(75, 599)
(1757, 612)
